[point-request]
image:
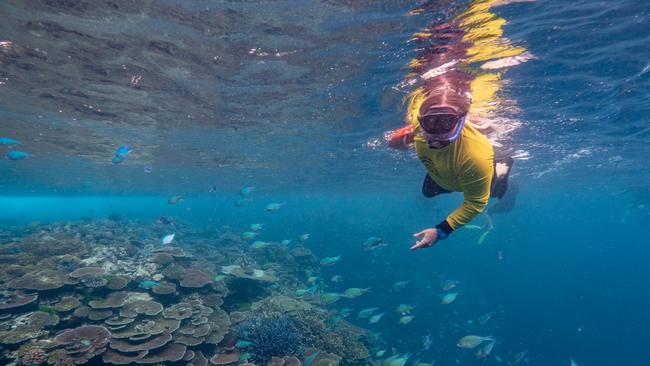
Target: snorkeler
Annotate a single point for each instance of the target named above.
(450, 116)
(457, 156)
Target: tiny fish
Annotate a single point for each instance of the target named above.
(309, 359)
(482, 238)
(337, 278)
(472, 227)
(246, 191)
(353, 292)
(247, 235)
(447, 285)
(175, 199)
(483, 353)
(168, 239)
(373, 243)
(404, 309)
(345, 312)
(406, 319)
(122, 151)
(16, 155)
(329, 297)
(483, 319)
(286, 242)
(213, 189)
(573, 363)
(449, 298)
(472, 341)
(243, 344)
(260, 244)
(8, 141)
(380, 353)
(400, 285)
(242, 201)
(245, 356)
(375, 318)
(272, 207)
(330, 261)
(256, 227)
(518, 357)
(219, 278)
(117, 159)
(399, 361)
(302, 238)
(312, 279)
(365, 313)
(148, 169)
(305, 291)
(147, 284)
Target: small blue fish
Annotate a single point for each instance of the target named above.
(345, 312)
(8, 141)
(272, 207)
(243, 344)
(242, 201)
(256, 227)
(337, 278)
(400, 285)
(366, 313)
(449, 298)
(259, 244)
(147, 284)
(330, 261)
(375, 318)
(309, 359)
(246, 191)
(17, 155)
(304, 291)
(167, 239)
(148, 169)
(373, 243)
(122, 151)
(175, 199)
(117, 159)
(245, 356)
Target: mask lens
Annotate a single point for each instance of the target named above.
(437, 124)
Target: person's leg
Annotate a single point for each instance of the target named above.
(507, 202)
(431, 188)
(502, 168)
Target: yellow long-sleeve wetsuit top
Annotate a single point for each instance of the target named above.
(466, 165)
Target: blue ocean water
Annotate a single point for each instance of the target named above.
(293, 98)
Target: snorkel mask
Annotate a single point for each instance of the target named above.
(441, 125)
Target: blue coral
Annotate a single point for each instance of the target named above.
(271, 334)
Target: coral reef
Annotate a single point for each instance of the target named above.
(107, 291)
